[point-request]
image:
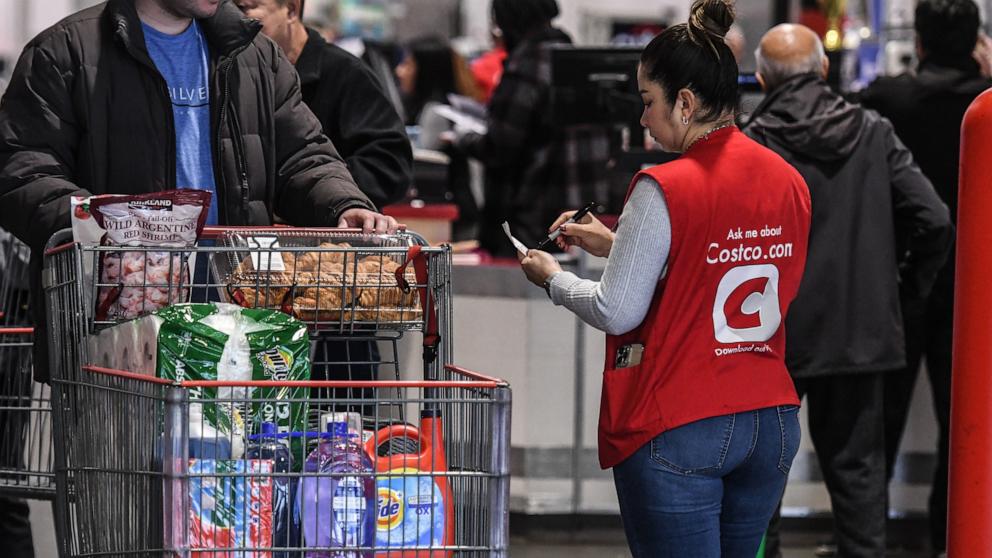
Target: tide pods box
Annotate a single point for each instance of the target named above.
(218, 342)
(230, 508)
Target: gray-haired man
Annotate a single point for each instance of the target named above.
(844, 330)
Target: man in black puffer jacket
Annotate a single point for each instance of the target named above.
(135, 96)
(926, 108)
(92, 109)
(844, 329)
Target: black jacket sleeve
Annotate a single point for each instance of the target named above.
(313, 183)
(921, 214)
(367, 130)
(38, 142)
(513, 115)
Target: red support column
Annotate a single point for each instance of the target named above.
(970, 512)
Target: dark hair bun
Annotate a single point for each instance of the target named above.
(711, 17)
(694, 56)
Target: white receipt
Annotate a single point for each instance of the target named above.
(461, 120)
(516, 243)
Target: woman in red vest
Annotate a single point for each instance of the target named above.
(698, 417)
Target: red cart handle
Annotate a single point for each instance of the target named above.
(217, 232)
(387, 433)
(416, 256)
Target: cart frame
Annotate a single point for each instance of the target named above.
(478, 432)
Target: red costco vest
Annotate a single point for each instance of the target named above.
(714, 341)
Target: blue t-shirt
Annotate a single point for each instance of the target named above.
(184, 62)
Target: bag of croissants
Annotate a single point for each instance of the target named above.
(330, 284)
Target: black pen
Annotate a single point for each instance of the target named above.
(573, 219)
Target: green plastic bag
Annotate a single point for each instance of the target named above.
(227, 342)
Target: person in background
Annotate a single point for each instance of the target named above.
(119, 98)
(535, 168)
(381, 57)
(346, 97)
(813, 14)
(926, 108)
(983, 55)
(488, 68)
(3, 75)
(844, 329)
(15, 526)
(429, 72)
(699, 418)
(737, 42)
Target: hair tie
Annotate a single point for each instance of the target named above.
(707, 25)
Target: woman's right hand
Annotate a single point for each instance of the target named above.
(589, 233)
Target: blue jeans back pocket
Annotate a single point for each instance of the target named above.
(697, 447)
(788, 421)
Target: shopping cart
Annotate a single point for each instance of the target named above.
(149, 466)
(25, 410)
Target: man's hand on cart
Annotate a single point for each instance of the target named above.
(589, 233)
(539, 267)
(368, 221)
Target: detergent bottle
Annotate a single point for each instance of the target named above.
(337, 510)
(414, 504)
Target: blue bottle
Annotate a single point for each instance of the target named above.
(338, 511)
(266, 445)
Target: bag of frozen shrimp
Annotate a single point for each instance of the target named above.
(135, 282)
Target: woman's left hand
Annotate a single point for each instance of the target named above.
(539, 266)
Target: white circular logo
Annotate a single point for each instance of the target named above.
(760, 303)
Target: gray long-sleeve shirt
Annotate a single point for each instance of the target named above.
(619, 302)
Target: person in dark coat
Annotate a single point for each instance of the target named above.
(100, 103)
(430, 72)
(347, 98)
(92, 108)
(844, 331)
(926, 108)
(535, 169)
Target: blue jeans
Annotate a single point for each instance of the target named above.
(708, 489)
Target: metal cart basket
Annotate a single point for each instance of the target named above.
(25, 411)
(387, 463)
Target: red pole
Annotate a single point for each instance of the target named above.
(970, 507)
